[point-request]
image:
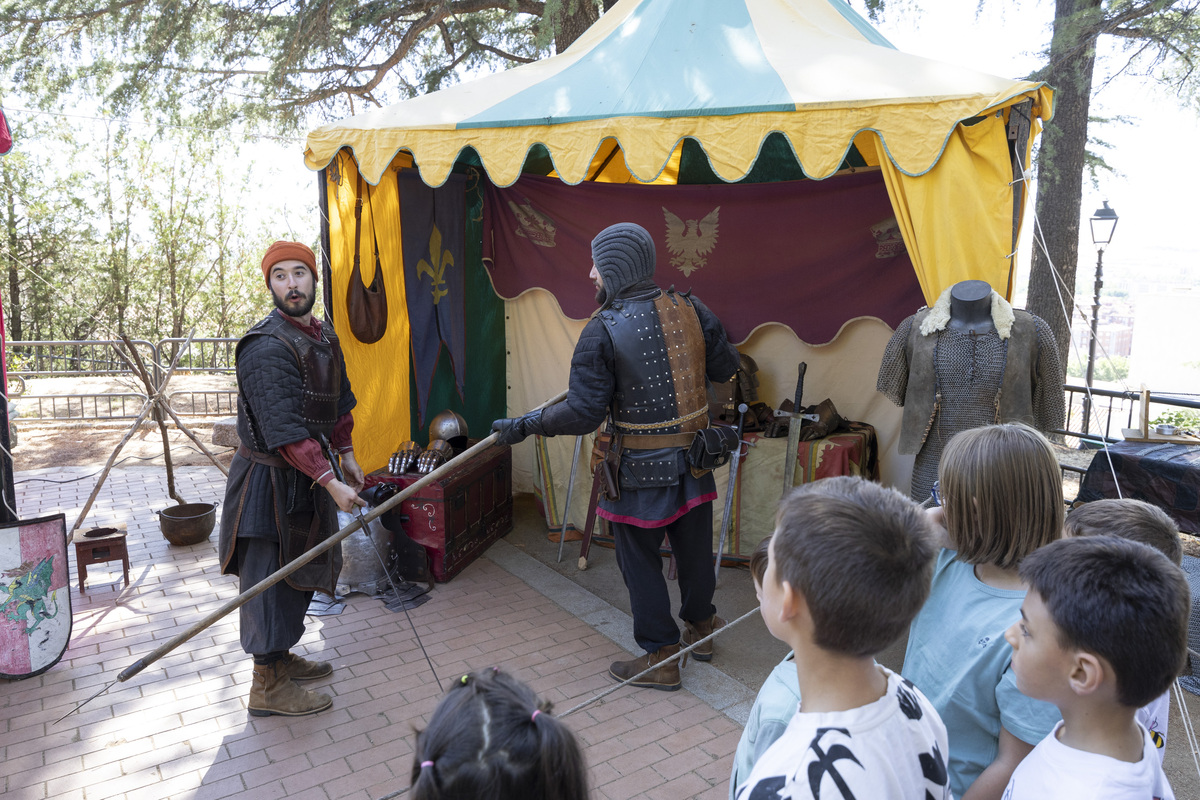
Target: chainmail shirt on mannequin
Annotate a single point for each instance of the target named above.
(969, 368)
(950, 381)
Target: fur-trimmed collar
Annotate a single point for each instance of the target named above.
(939, 315)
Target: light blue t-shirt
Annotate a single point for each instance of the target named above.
(773, 709)
(958, 657)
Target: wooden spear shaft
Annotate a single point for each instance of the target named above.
(300, 561)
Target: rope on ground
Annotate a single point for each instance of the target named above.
(645, 672)
(727, 626)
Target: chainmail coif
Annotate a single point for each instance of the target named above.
(624, 255)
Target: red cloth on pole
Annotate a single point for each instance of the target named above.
(809, 254)
(6, 141)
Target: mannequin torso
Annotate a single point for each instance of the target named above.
(971, 307)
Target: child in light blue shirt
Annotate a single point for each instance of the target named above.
(776, 702)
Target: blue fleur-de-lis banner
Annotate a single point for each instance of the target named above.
(432, 231)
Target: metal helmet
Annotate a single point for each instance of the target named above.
(448, 426)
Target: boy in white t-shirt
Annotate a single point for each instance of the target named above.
(1139, 522)
(849, 566)
(1103, 631)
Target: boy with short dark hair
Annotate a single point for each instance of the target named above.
(1129, 519)
(1150, 525)
(1103, 631)
(849, 566)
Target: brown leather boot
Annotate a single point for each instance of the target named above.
(695, 631)
(273, 692)
(301, 669)
(665, 678)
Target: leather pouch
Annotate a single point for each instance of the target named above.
(366, 306)
(712, 448)
(649, 469)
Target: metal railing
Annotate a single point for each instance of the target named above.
(57, 358)
(79, 407)
(1089, 425)
(207, 403)
(100, 358)
(1109, 411)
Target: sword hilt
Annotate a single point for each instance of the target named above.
(327, 449)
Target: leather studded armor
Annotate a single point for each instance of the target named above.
(660, 367)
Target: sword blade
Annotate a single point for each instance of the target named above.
(562, 533)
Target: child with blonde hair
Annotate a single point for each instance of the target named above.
(1001, 494)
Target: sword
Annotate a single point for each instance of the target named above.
(733, 471)
(324, 547)
(796, 420)
(336, 465)
(562, 534)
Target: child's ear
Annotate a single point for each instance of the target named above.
(1087, 674)
(791, 602)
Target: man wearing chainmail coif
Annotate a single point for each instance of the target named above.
(643, 359)
(280, 498)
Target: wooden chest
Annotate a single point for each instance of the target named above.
(458, 517)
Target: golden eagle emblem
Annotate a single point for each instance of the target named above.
(533, 224)
(690, 241)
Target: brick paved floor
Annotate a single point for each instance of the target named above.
(180, 728)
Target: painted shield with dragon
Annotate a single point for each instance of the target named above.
(35, 596)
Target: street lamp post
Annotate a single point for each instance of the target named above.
(1103, 223)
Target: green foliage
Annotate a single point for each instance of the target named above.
(1185, 418)
(1107, 370)
(140, 234)
(265, 60)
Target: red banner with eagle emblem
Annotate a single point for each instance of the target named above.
(809, 254)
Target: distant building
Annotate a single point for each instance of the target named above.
(1114, 331)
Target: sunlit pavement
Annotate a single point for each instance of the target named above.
(180, 729)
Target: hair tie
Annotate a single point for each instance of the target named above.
(425, 764)
(533, 716)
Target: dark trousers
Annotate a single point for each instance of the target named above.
(274, 620)
(642, 568)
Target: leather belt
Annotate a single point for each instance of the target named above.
(262, 458)
(656, 441)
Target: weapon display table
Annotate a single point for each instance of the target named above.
(853, 450)
(100, 550)
(1165, 475)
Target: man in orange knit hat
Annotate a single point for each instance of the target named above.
(281, 496)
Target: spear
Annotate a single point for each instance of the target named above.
(356, 524)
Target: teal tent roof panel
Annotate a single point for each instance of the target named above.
(649, 67)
